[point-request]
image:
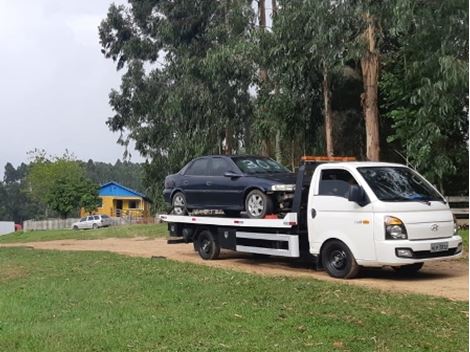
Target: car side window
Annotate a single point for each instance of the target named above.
(82, 219)
(336, 182)
(219, 167)
(90, 218)
(96, 217)
(199, 168)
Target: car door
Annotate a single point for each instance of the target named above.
(332, 215)
(225, 190)
(89, 222)
(195, 185)
(82, 224)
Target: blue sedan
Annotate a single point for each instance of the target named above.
(257, 185)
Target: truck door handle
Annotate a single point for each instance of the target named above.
(313, 212)
(208, 183)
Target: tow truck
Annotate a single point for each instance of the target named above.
(345, 215)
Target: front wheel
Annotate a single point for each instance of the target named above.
(207, 246)
(258, 204)
(408, 269)
(94, 226)
(338, 260)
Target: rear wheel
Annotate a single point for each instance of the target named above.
(94, 226)
(338, 260)
(179, 204)
(258, 204)
(408, 269)
(207, 246)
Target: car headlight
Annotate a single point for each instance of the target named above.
(283, 188)
(394, 229)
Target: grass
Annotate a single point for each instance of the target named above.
(88, 301)
(158, 230)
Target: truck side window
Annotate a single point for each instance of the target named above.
(336, 183)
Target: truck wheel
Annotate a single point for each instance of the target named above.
(338, 260)
(207, 245)
(409, 268)
(178, 204)
(258, 204)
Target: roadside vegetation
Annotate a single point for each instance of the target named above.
(150, 231)
(85, 301)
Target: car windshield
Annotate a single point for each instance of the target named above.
(398, 184)
(253, 165)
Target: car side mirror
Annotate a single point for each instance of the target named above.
(357, 195)
(231, 174)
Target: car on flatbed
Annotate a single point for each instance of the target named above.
(345, 215)
(257, 185)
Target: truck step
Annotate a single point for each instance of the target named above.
(173, 240)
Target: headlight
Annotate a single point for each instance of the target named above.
(394, 229)
(283, 188)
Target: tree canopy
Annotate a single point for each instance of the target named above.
(373, 79)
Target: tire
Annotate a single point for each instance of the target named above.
(232, 213)
(408, 269)
(338, 260)
(258, 204)
(94, 226)
(75, 228)
(207, 246)
(178, 204)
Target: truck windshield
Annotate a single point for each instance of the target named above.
(253, 165)
(398, 184)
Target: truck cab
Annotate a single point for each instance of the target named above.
(379, 214)
(345, 215)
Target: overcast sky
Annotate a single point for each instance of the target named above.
(54, 81)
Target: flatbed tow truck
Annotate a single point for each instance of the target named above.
(345, 215)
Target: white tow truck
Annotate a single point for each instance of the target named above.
(345, 215)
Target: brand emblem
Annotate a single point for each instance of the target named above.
(434, 227)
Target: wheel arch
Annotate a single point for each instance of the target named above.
(339, 239)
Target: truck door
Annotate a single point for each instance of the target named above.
(332, 215)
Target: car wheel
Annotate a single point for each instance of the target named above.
(179, 204)
(75, 228)
(258, 204)
(338, 260)
(207, 245)
(94, 226)
(232, 213)
(408, 269)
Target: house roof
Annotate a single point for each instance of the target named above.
(116, 189)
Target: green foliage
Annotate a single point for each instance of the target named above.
(425, 88)
(60, 183)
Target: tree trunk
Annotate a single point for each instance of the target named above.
(370, 64)
(328, 113)
(228, 141)
(278, 150)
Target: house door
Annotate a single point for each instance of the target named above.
(118, 207)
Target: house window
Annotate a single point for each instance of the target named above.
(133, 204)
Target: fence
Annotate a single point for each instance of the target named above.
(459, 207)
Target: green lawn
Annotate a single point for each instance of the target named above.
(159, 230)
(88, 301)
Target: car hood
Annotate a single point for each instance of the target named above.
(287, 178)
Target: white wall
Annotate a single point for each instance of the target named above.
(6, 227)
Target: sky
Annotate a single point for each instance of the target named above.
(54, 81)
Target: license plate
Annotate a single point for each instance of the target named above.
(439, 247)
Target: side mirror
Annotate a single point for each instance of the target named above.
(357, 195)
(231, 174)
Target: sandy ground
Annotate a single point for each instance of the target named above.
(445, 279)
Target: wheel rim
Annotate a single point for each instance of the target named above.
(178, 204)
(255, 205)
(205, 245)
(338, 259)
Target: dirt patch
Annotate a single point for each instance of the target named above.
(10, 273)
(447, 279)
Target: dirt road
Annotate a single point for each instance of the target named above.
(446, 279)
